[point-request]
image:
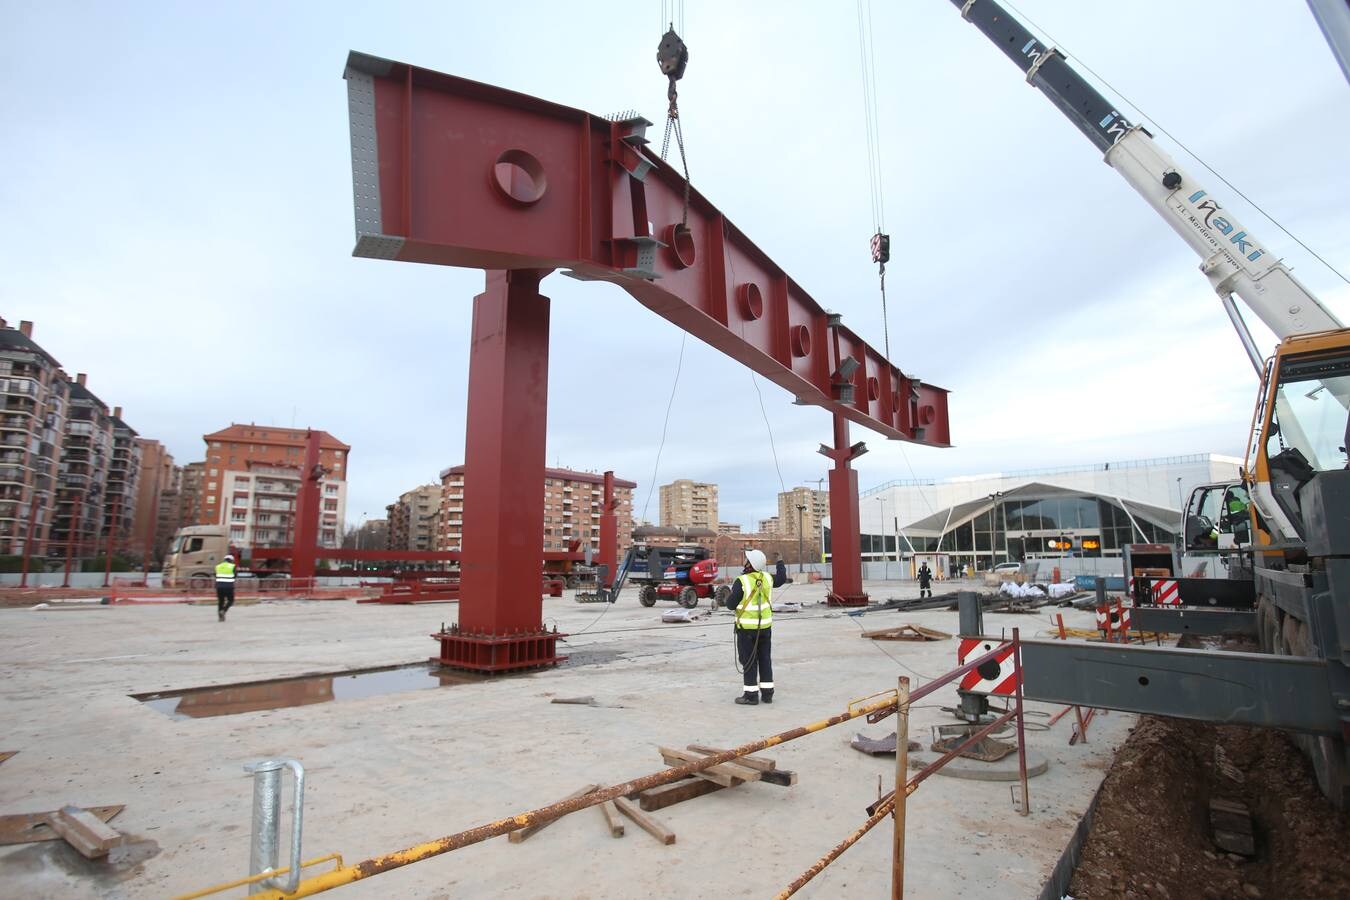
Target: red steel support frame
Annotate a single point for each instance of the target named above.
(845, 546)
(453, 172)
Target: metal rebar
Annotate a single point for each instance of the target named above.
(922, 775)
(384, 863)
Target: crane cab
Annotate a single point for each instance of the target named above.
(1217, 519)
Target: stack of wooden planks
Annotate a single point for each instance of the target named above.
(715, 778)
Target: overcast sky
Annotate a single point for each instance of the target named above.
(178, 222)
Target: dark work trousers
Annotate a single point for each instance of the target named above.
(224, 596)
(754, 646)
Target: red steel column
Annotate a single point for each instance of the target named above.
(845, 549)
(609, 532)
(304, 548)
(501, 608)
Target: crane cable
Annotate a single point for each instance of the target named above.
(881, 242)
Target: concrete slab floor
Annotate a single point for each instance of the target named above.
(387, 772)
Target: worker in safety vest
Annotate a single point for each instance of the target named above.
(224, 586)
(751, 598)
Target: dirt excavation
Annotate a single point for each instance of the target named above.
(1154, 833)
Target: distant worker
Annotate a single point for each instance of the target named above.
(925, 581)
(752, 599)
(780, 575)
(224, 586)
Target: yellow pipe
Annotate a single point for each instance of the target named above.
(377, 864)
(240, 882)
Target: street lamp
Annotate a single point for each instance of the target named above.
(996, 496)
(1181, 504)
(801, 512)
(885, 560)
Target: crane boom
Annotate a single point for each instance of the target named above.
(1232, 259)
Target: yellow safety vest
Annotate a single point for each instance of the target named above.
(755, 610)
(225, 573)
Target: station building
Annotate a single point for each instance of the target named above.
(1072, 511)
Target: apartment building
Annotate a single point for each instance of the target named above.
(412, 518)
(86, 457)
(157, 501)
(791, 515)
(122, 491)
(33, 402)
(191, 482)
(689, 504)
(572, 502)
(728, 528)
(769, 526)
(252, 475)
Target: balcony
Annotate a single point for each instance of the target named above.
(24, 387)
(12, 474)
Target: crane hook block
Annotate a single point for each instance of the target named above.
(672, 56)
(881, 248)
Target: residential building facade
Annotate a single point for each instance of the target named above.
(156, 500)
(802, 509)
(33, 404)
(191, 481)
(572, 507)
(86, 456)
(689, 504)
(412, 518)
(252, 475)
(122, 493)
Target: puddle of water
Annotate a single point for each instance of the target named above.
(233, 699)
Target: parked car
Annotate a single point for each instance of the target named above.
(1007, 567)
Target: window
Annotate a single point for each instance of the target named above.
(194, 545)
(215, 444)
(211, 499)
(211, 485)
(237, 532)
(239, 516)
(214, 473)
(330, 505)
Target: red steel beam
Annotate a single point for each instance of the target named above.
(455, 172)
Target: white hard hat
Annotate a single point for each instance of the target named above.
(756, 559)
(229, 557)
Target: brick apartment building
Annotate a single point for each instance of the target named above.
(191, 481)
(122, 492)
(252, 475)
(572, 503)
(689, 504)
(811, 518)
(412, 519)
(157, 500)
(33, 396)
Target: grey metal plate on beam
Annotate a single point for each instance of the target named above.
(1193, 621)
(1229, 688)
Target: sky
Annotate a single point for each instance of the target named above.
(178, 223)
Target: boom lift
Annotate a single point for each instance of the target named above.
(1293, 538)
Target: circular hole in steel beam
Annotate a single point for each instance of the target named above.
(751, 300)
(873, 388)
(801, 340)
(680, 242)
(1143, 681)
(989, 669)
(927, 415)
(519, 176)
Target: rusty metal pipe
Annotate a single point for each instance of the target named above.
(919, 777)
(883, 810)
(377, 864)
(1021, 732)
(901, 777)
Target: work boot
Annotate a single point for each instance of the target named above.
(766, 695)
(220, 615)
(747, 700)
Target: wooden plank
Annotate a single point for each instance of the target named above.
(732, 771)
(767, 771)
(763, 763)
(26, 828)
(676, 792)
(612, 818)
(645, 822)
(84, 831)
(521, 834)
(6, 754)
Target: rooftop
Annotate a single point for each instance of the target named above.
(273, 435)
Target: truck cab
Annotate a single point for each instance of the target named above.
(1218, 519)
(193, 555)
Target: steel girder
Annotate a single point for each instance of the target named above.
(453, 172)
